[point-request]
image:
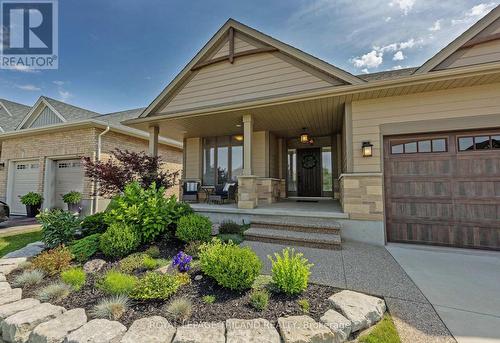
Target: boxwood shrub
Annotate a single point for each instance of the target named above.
(194, 227)
(119, 240)
(155, 286)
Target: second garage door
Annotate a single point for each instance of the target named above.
(25, 180)
(443, 189)
(68, 177)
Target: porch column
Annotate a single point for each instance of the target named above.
(153, 140)
(247, 144)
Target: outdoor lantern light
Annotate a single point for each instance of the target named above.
(239, 138)
(367, 149)
(305, 138)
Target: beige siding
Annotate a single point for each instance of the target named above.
(273, 156)
(193, 158)
(260, 153)
(249, 77)
(368, 115)
(240, 45)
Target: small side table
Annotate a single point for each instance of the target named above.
(208, 190)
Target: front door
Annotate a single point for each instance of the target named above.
(309, 172)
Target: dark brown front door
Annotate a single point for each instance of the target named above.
(444, 189)
(309, 172)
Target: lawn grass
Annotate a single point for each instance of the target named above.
(383, 332)
(14, 242)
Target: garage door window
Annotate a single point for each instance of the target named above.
(480, 142)
(421, 146)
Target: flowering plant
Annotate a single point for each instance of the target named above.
(182, 261)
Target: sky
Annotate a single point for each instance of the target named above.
(119, 54)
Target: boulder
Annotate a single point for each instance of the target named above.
(30, 250)
(251, 331)
(2, 278)
(149, 330)
(11, 296)
(94, 265)
(17, 327)
(55, 330)
(304, 329)
(11, 261)
(340, 325)
(4, 287)
(362, 310)
(201, 333)
(8, 310)
(97, 331)
(6, 269)
(167, 269)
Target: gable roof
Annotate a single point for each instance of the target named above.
(387, 74)
(118, 117)
(268, 44)
(11, 114)
(464, 38)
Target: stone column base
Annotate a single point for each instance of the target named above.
(362, 195)
(247, 191)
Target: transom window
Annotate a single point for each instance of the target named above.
(420, 146)
(479, 142)
(222, 159)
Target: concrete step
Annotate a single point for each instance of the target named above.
(288, 237)
(298, 224)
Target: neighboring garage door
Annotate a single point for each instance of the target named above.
(69, 177)
(25, 179)
(443, 189)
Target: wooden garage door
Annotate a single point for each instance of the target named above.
(444, 189)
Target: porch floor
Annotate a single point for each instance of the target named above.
(320, 208)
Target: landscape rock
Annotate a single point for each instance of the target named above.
(11, 296)
(215, 229)
(362, 310)
(251, 331)
(167, 269)
(97, 331)
(10, 261)
(340, 325)
(29, 250)
(55, 330)
(304, 329)
(6, 269)
(94, 265)
(198, 277)
(2, 277)
(201, 333)
(4, 287)
(17, 327)
(8, 310)
(149, 330)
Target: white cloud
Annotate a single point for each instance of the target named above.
(481, 10)
(436, 26)
(398, 56)
(58, 83)
(410, 43)
(370, 60)
(28, 87)
(365, 71)
(387, 19)
(404, 5)
(24, 69)
(64, 95)
(397, 67)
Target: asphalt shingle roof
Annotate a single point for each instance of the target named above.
(70, 112)
(118, 117)
(387, 75)
(9, 122)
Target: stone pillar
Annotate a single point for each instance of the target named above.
(247, 144)
(153, 140)
(247, 191)
(362, 195)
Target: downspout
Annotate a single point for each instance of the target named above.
(98, 158)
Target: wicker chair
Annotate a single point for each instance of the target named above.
(224, 192)
(190, 191)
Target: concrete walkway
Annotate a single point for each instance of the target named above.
(462, 285)
(18, 224)
(371, 269)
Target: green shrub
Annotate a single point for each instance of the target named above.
(72, 197)
(229, 227)
(146, 211)
(54, 292)
(259, 299)
(112, 308)
(233, 237)
(155, 286)
(194, 227)
(58, 227)
(180, 309)
(208, 299)
(53, 261)
(149, 263)
(304, 305)
(83, 249)
(31, 199)
(94, 224)
(180, 209)
(263, 282)
(153, 251)
(75, 277)
(131, 263)
(231, 266)
(119, 240)
(28, 278)
(183, 278)
(115, 282)
(290, 272)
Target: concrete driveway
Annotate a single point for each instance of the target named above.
(462, 285)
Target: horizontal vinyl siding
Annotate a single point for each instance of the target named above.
(249, 77)
(239, 46)
(368, 115)
(478, 54)
(193, 158)
(259, 154)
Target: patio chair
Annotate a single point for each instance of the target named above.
(190, 191)
(224, 192)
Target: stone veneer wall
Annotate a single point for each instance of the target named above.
(362, 196)
(268, 190)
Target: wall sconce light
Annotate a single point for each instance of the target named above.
(305, 138)
(367, 149)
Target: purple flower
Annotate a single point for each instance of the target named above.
(182, 261)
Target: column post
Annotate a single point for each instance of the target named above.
(153, 140)
(247, 144)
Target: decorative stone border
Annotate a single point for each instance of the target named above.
(28, 320)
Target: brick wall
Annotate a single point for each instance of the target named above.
(362, 197)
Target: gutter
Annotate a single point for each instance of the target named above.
(98, 158)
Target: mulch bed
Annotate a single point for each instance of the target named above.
(228, 304)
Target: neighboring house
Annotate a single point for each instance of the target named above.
(433, 174)
(42, 145)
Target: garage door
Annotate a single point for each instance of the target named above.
(69, 177)
(25, 179)
(444, 189)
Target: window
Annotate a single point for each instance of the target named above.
(21, 166)
(421, 146)
(222, 159)
(292, 170)
(326, 161)
(480, 142)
